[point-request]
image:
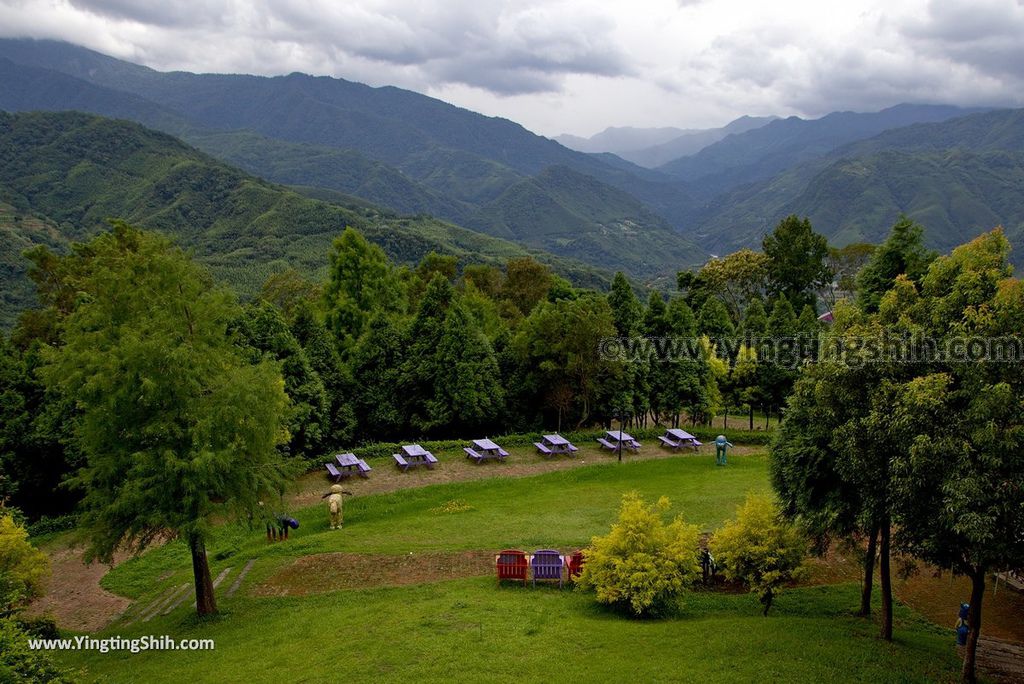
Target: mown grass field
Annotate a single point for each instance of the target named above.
(469, 629)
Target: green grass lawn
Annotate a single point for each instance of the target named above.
(469, 629)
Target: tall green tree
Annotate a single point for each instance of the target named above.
(713, 319)
(378, 362)
(797, 256)
(176, 427)
(902, 253)
(361, 281)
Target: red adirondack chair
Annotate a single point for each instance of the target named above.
(576, 561)
(512, 564)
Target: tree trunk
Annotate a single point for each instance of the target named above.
(725, 419)
(751, 417)
(968, 674)
(886, 578)
(869, 573)
(206, 604)
(767, 414)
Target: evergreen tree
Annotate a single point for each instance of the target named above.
(378, 362)
(323, 358)
(902, 253)
(798, 260)
(178, 429)
(263, 333)
(755, 321)
(713, 320)
(361, 282)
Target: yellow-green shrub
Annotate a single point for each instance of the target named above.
(760, 548)
(23, 568)
(642, 564)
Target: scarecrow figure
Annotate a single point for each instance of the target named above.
(721, 446)
(334, 507)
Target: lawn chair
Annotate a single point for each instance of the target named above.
(547, 565)
(575, 564)
(511, 564)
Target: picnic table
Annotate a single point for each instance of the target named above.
(412, 455)
(612, 440)
(484, 449)
(347, 464)
(550, 445)
(675, 438)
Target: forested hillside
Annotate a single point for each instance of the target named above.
(62, 176)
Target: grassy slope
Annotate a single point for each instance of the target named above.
(467, 629)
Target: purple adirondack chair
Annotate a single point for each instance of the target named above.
(547, 564)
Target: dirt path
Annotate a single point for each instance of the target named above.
(74, 597)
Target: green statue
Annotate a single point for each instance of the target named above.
(721, 446)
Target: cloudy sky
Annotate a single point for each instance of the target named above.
(578, 66)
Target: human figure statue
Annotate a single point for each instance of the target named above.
(721, 446)
(334, 505)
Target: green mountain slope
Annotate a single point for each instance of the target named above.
(63, 175)
(454, 161)
(957, 178)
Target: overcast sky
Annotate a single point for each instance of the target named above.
(578, 66)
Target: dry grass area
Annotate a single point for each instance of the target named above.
(74, 597)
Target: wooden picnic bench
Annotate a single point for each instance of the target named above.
(675, 438)
(613, 438)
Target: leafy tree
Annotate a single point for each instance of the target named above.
(807, 323)
(902, 253)
(361, 281)
(627, 313)
(289, 290)
(487, 279)
(959, 486)
(177, 429)
(432, 263)
(19, 663)
(626, 308)
(760, 549)
(527, 283)
(798, 260)
(737, 278)
(559, 345)
(642, 565)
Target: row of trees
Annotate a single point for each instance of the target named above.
(916, 451)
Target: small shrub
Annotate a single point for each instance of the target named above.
(642, 564)
(760, 548)
(19, 664)
(453, 506)
(23, 568)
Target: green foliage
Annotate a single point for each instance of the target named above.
(18, 663)
(797, 260)
(263, 333)
(361, 282)
(739, 278)
(713, 319)
(902, 253)
(23, 568)
(642, 564)
(760, 549)
(176, 427)
(626, 308)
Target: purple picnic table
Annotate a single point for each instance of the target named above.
(413, 455)
(675, 438)
(348, 464)
(550, 445)
(484, 449)
(614, 437)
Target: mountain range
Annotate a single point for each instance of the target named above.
(955, 170)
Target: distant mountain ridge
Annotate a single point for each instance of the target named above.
(652, 147)
(451, 162)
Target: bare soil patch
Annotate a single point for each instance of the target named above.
(74, 597)
(327, 572)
